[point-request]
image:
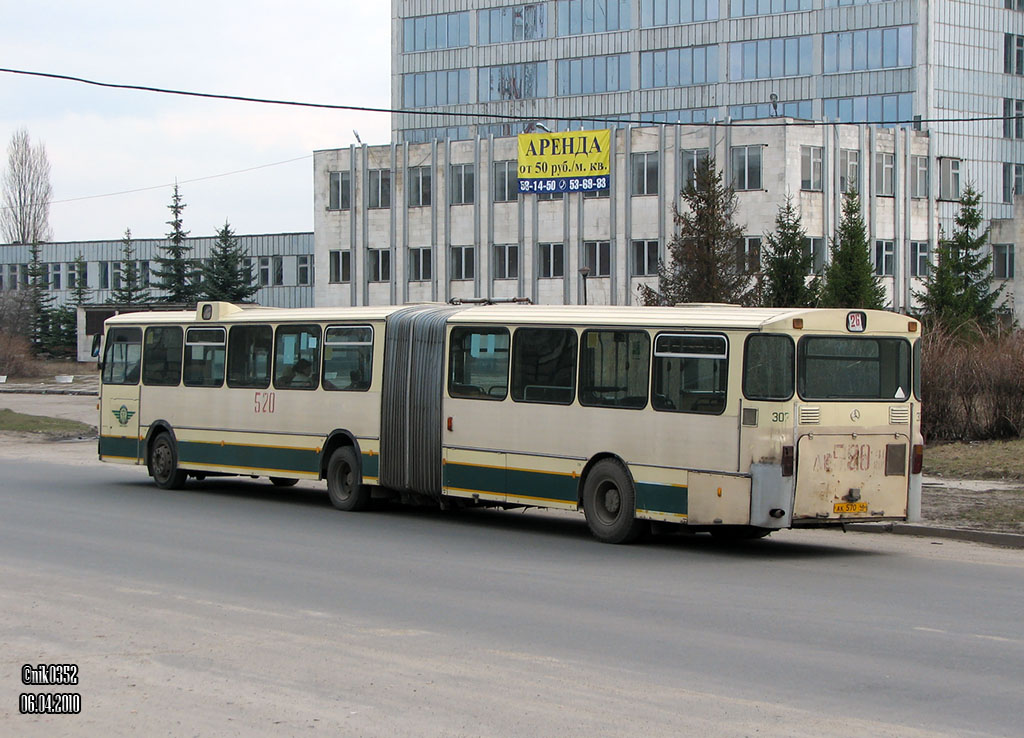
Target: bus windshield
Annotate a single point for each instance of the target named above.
(853, 368)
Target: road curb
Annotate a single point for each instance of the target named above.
(1006, 540)
(48, 391)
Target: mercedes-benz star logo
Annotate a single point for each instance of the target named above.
(855, 415)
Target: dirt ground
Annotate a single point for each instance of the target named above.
(949, 503)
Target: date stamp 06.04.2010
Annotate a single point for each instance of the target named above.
(50, 703)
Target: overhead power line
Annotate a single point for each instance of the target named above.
(475, 115)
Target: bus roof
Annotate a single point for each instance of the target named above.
(695, 316)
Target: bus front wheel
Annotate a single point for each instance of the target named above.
(163, 463)
(344, 484)
(609, 503)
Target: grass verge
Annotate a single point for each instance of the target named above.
(56, 427)
(976, 460)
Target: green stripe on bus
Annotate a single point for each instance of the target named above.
(475, 478)
(548, 485)
(249, 457)
(371, 465)
(126, 448)
(661, 498)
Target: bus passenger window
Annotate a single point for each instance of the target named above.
(249, 348)
(478, 363)
(544, 365)
(161, 356)
(204, 357)
(297, 357)
(614, 367)
(122, 356)
(768, 372)
(691, 373)
(348, 358)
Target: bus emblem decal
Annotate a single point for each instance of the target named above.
(123, 414)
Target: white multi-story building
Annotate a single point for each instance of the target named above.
(412, 222)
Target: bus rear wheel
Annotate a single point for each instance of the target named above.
(163, 463)
(344, 483)
(609, 503)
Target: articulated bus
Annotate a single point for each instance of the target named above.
(729, 420)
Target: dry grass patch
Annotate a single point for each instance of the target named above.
(976, 460)
(55, 428)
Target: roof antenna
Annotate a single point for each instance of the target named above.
(356, 133)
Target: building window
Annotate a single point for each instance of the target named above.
(418, 187)
(462, 264)
(340, 191)
(771, 58)
(1013, 54)
(748, 254)
(55, 277)
(741, 8)
(645, 173)
(919, 176)
(379, 188)
(429, 89)
(645, 258)
(518, 23)
(671, 12)
(379, 265)
(341, 266)
(104, 275)
(506, 182)
(949, 179)
(512, 82)
(884, 258)
(746, 167)
(1013, 118)
(420, 265)
(886, 110)
(598, 256)
(873, 48)
(695, 65)
(278, 263)
(1013, 4)
(920, 262)
(592, 16)
(810, 168)
(506, 261)
(690, 159)
(885, 174)
(552, 260)
(304, 270)
(1002, 260)
(548, 196)
(115, 275)
(816, 248)
(594, 194)
(462, 184)
(849, 170)
(593, 74)
(442, 31)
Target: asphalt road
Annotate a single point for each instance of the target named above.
(233, 608)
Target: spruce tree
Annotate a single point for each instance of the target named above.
(227, 276)
(787, 263)
(80, 293)
(958, 294)
(850, 280)
(175, 273)
(703, 264)
(40, 302)
(131, 290)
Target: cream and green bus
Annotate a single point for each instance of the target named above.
(735, 421)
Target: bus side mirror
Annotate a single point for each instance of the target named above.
(96, 341)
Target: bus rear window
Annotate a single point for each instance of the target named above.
(768, 371)
(853, 368)
(123, 356)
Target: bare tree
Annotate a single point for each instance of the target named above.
(25, 213)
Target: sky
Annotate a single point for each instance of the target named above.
(101, 141)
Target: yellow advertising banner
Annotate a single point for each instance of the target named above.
(573, 161)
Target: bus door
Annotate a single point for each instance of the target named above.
(119, 395)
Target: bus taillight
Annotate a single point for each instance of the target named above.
(917, 463)
(787, 461)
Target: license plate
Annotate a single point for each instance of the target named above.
(849, 507)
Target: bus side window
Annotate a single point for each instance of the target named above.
(249, 348)
(204, 357)
(544, 365)
(161, 356)
(348, 358)
(691, 373)
(478, 363)
(613, 368)
(122, 356)
(297, 357)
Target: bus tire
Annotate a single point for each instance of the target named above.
(163, 463)
(344, 483)
(283, 481)
(609, 503)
